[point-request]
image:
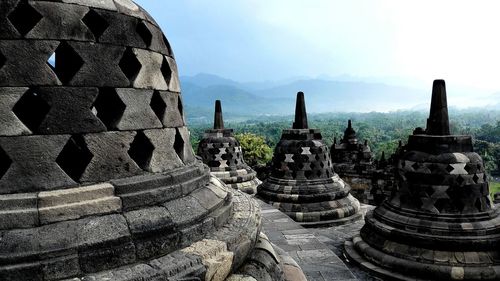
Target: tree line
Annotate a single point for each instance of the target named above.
(383, 131)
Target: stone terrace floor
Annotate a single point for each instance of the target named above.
(318, 251)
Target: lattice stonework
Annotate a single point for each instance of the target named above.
(98, 179)
(107, 53)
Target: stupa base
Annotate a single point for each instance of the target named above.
(390, 267)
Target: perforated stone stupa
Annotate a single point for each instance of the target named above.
(223, 154)
(302, 182)
(353, 162)
(98, 180)
(441, 223)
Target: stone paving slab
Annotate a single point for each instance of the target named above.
(318, 261)
(334, 238)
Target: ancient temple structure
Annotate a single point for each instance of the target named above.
(441, 223)
(223, 154)
(353, 162)
(302, 182)
(98, 180)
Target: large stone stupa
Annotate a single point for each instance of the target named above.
(222, 152)
(440, 224)
(302, 182)
(98, 180)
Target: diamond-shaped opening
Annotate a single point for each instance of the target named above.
(449, 168)
(166, 71)
(460, 180)
(24, 17)
(180, 106)
(475, 178)
(31, 109)
(65, 62)
(468, 168)
(141, 150)
(318, 173)
(179, 144)
(109, 108)
(143, 31)
(96, 23)
(2, 60)
(130, 65)
(5, 162)
(158, 105)
(74, 157)
(168, 46)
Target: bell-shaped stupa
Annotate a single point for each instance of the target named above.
(302, 182)
(353, 162)
(98, 180)
(440, 224)
(222, 152)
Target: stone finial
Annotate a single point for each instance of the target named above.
(400, 144)
(366, 142)
(382, 158)
(218, 119)
(349, 133)
(438, 122)
(300, 113)
(334, 140)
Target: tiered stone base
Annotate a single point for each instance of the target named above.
(312, 203)
(183, 224)
(449, 248)
(242, 179)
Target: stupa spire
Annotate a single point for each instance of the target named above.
(300, 113)
(218, 119)
(438, 122)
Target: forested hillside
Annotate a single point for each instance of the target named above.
(382, 130)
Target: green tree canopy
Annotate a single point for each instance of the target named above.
(255, 149)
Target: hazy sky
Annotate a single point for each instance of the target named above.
(252, 40)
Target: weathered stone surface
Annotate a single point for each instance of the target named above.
(58, 22)
(100, 65)
(10, 125)
(70, 111)
(171, 114)
(185, 150)
(174, 84)
(18, 211)
(101, 4)
(215, 256)
(185, 210)
(18, 71)
(75, 203)
(7, 29)
(164, 157)
(150, 75)
(120, 30)
(149, 220)
(138, 113)
(111, 159)
(33, 165)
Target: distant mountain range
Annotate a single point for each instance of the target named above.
(278, 97)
